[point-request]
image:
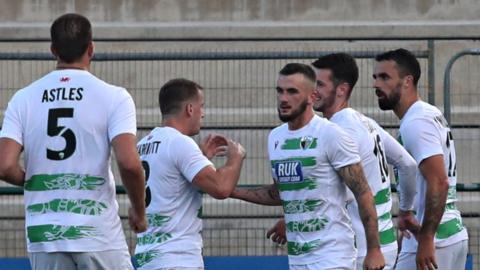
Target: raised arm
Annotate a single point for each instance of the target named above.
(354, 178)
(10, 169)
(220, 183)
(133, 179)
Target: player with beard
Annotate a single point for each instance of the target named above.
(441, 241)
(337, 74)
(313, 161)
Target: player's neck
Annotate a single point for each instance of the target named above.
(402, 107)
(302, 120)
(177, 124)
(80, 66)
(328, 113)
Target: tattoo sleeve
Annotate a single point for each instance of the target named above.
(354, 178)
(434, 174)
(266, 195)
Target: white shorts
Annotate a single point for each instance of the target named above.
(101, 260)
(448, 258)
(390, 258)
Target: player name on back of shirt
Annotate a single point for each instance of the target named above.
(62, 93)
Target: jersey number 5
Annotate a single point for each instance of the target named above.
(54, 129)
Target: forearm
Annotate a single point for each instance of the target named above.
(435, 199)
(266, 195)
(229, 174)
(368, 215)
(355, 179)
(134, 183)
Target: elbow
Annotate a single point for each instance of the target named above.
(221, 194)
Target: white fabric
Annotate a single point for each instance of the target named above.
(369, 137)
(100, 112)
(448, 258)
(424, 133)
(304, 166)
(173, 160)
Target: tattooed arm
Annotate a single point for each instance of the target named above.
(433, 170)
(266, 195)
(354, 178)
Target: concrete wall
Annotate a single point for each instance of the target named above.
(248, 18)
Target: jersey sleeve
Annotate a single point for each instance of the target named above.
(188, 157)
(421, 139)
(341, 149)
(405, 167)
(122, 118)
(12, 126)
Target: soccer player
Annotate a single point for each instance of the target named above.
(313, 161)
(441, 241)
(67, 122)
(336, 75)
(177, 169)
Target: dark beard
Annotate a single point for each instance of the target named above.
(301, 109)
(389, 102)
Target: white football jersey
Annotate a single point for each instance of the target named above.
(369, 137)
(424, 132)
(304, 166)
(171, 161)
(66, 122)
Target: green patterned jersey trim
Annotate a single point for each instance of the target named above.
(450, 206)
(43, 182)
(382, 196)
(295, 248)
(296, 143)
(388, 236)
(299, 206)
(307, 183)
(311, 225)
(152, 238)
(306, 161)
(385, 217)
(49, 232)
(452, 193)
(449, 228)
(143, 258)
(200, 212)
(156, 220)
(83, 207)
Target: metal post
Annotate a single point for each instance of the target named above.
(446, 80)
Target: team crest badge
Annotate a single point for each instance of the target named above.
(306, 142)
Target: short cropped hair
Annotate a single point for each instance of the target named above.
(407, 63)
(70, 33)
(298, 68)
(343, 67)
(174, 93)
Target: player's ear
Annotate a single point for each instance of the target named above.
(53, 50)
(90, 49)
(342, 89)
(189, 109)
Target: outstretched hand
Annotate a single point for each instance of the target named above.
(214, 145)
